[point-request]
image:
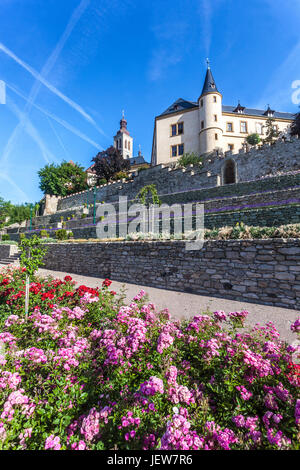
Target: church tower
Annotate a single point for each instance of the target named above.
(210, 115)
(123, 140)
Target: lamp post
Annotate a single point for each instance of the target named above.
(30, 226)
(87, 197)
(95, 193)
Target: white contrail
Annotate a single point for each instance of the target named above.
(31, 130)
(58, 138)
(60, 121)
(13, 183)
(50, 87)
(78, 12)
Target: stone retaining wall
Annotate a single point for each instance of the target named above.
(252, 168)
(261, 271)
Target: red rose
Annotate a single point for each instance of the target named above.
(106, 283)
(68, 279)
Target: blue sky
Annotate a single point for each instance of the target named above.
(71, 66)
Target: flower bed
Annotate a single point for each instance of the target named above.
(86, 371)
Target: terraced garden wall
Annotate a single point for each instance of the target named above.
(261, 271)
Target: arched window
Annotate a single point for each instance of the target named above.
(126, 144)
(129, 145)
(229, 172)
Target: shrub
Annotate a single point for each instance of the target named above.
(61, 234)
(70, 234)
(44, 234)
(5, 237)
(92, 373)
(120, 175)
(102, 181)
(189, 159)
(83, 216)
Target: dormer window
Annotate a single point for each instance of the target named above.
(270, 112)
(239, 109)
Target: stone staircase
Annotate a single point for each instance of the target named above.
(10, 256)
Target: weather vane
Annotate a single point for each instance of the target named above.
(208, 62)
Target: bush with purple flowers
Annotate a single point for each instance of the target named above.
(87, 372)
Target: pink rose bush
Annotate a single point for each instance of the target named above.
(87, 372)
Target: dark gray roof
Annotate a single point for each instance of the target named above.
(179, 105)
(139, 160)
(257, 112)
(209, 83)
(182, 105)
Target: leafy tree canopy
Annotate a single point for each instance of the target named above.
(62, 180)
(109, 162)
(271, 130)
(15, 213)
(253, 139)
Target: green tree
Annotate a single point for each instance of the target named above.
(253, 139)
(16, 213)
(271, 130)
(32, 255)
(109, 162)
(295, 127)
(62, 180)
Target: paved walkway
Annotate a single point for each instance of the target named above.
(182, 305)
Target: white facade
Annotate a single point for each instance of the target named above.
(206, 125)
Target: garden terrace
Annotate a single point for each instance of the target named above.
(261, 271)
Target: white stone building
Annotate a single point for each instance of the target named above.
(207, 124)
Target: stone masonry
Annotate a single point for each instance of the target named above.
(260, 271)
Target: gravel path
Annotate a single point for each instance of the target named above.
(183, 305)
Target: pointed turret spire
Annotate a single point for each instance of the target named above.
(209, 84)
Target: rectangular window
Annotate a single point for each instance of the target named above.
(216, 136)
(229, 127)
(177, 129)
(180, 149)
(177, 150)
(202, 124)
(230, 147)
(259, 128)
(180, 128)
(173, 130)
(201, 103)
(243, 127)
(216, 118)
(215, 99)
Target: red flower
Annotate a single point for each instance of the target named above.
(106, 283)
(112, 292)
(68, 279)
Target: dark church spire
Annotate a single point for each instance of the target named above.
(209, 84)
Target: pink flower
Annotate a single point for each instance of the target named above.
(52, 442)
